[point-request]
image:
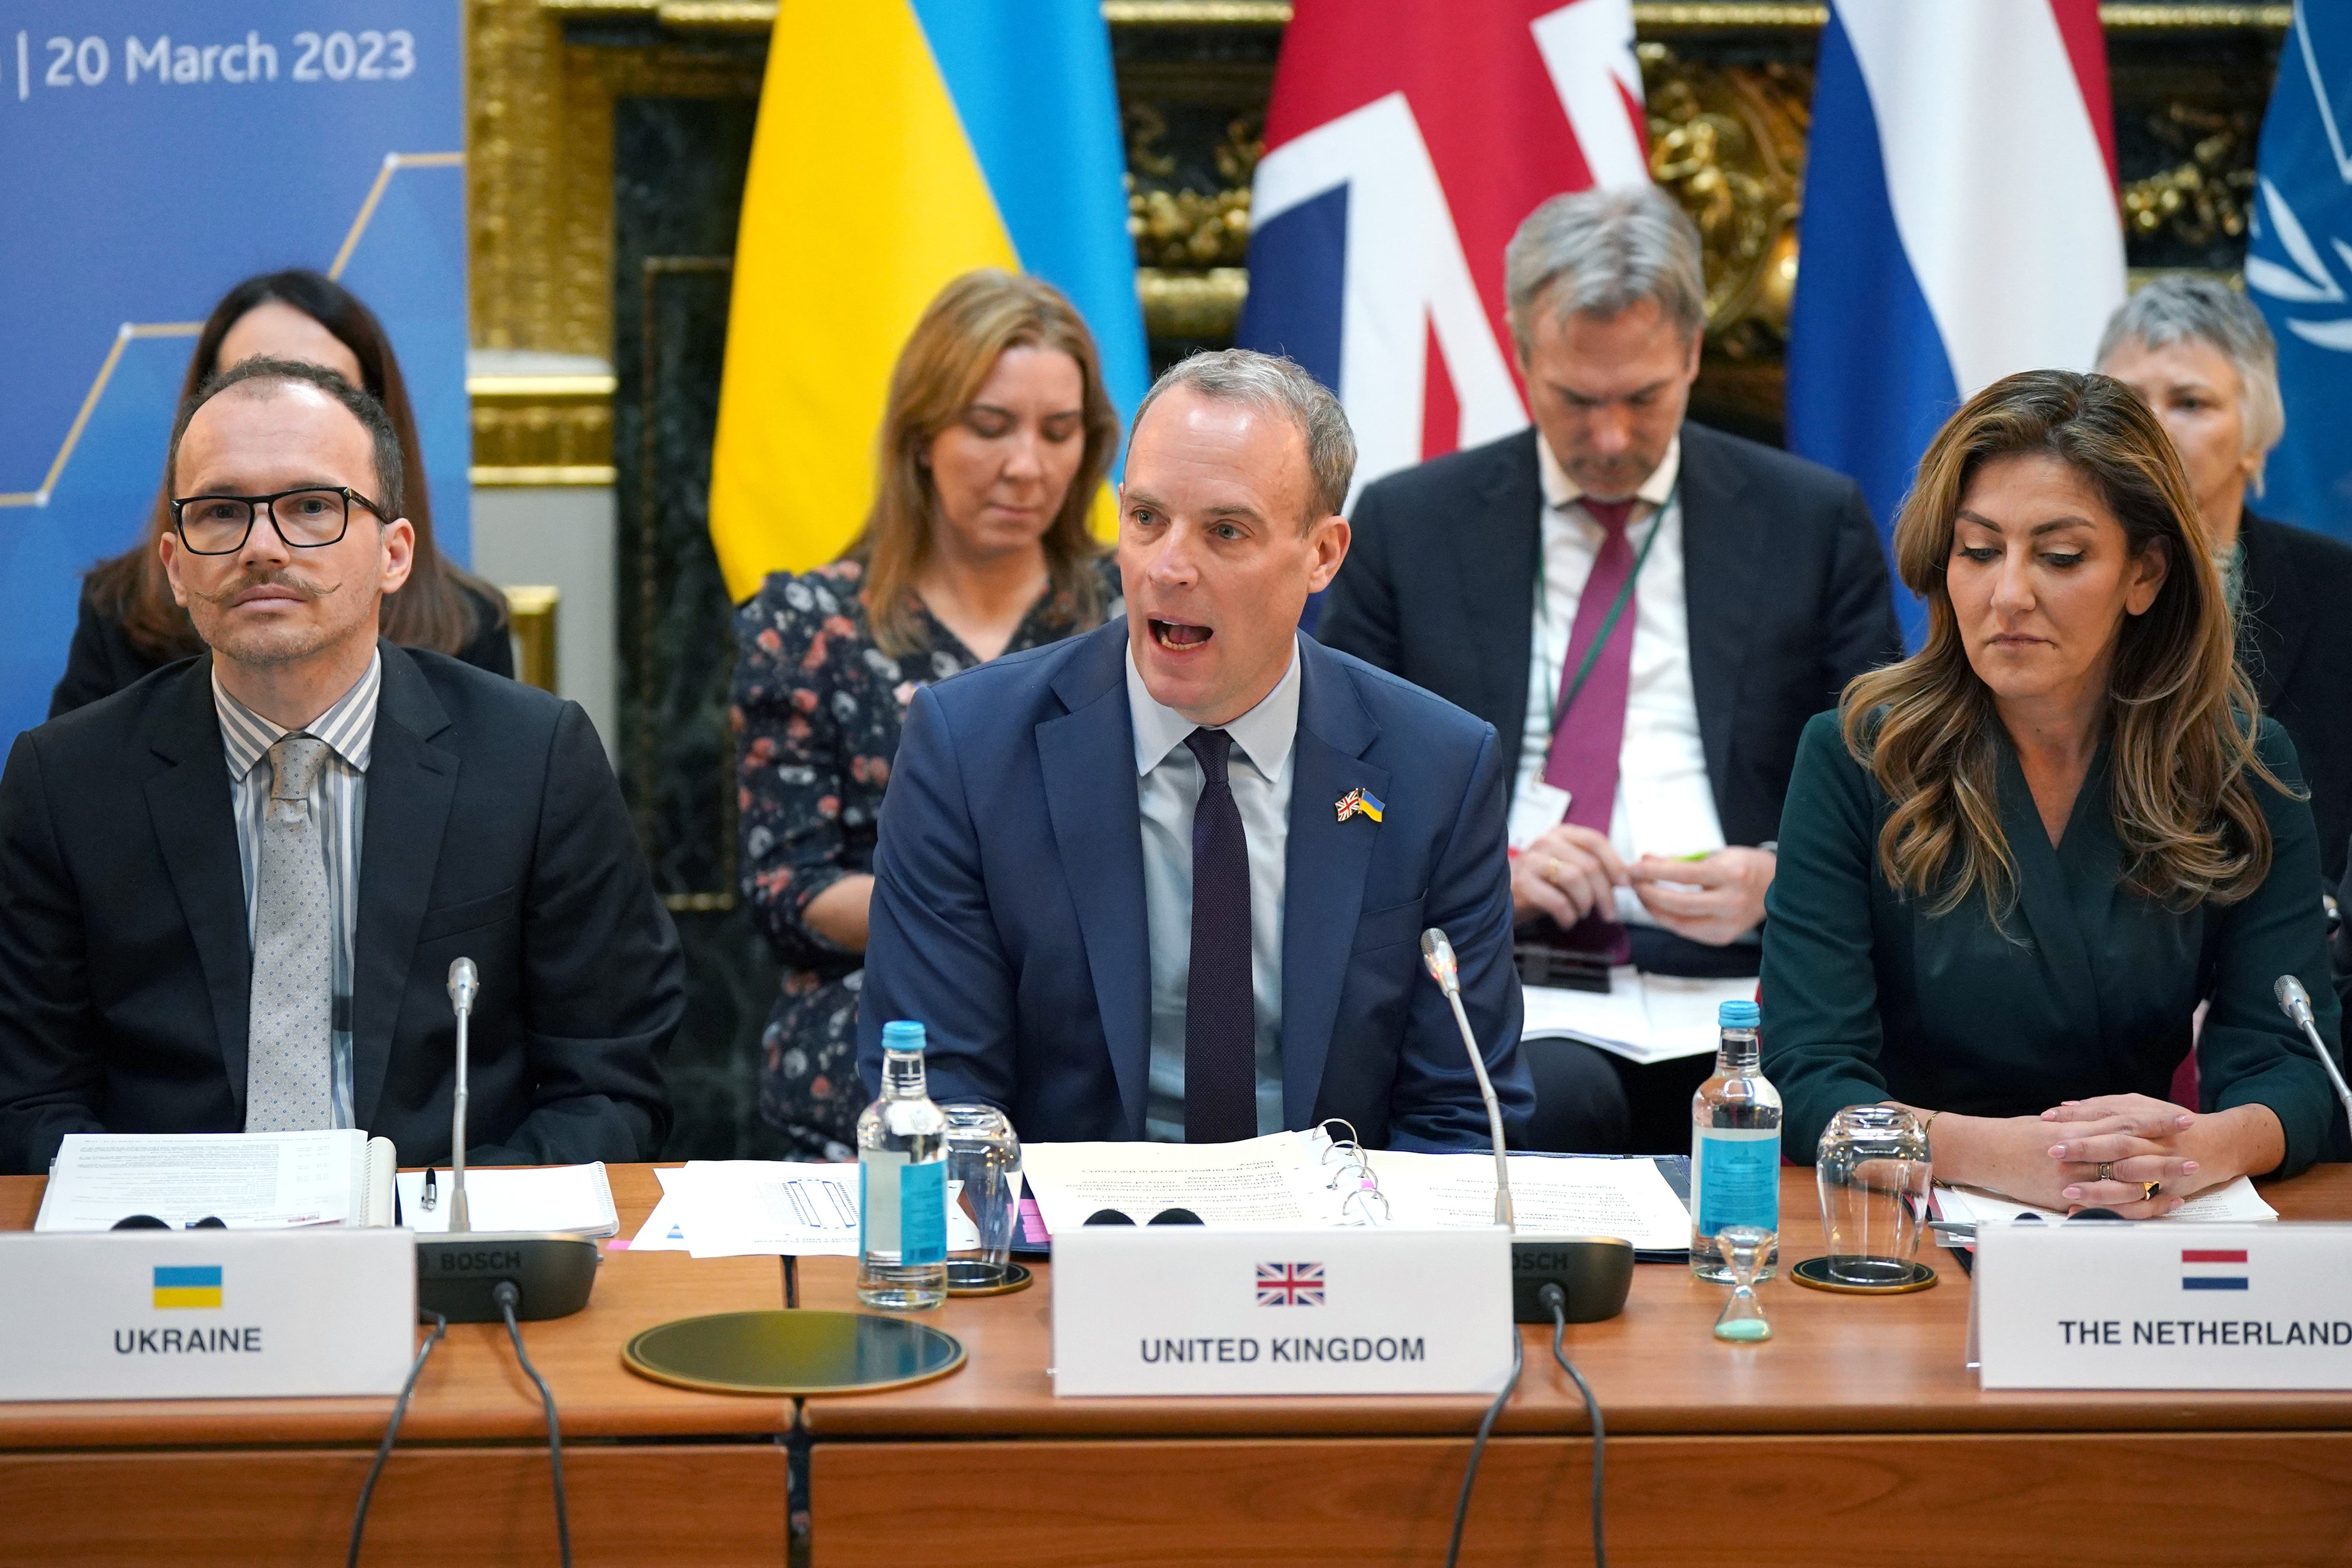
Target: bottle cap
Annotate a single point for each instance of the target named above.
(1728, 1016)
(901, 1035)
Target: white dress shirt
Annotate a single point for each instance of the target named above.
(338, 802)
(1665, 803)
(1168, 787)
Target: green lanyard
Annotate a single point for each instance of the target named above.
(1554, 708)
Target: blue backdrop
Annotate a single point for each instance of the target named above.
(2299, 269)
(152, 154)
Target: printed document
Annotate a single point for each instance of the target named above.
(1549, 1196)
(575, 1198)
(734, 1208)
(1641, 1017)
(249, 1180)
(1255, 1182)
(1291, 1180)
(737, 1208)
(2233, 1202)
(662, 1232)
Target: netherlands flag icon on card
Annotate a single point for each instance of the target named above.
(187, 1287)
(2207, 1268)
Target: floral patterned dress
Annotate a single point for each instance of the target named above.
(817, 712)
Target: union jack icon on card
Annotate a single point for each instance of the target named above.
(1289, 1284)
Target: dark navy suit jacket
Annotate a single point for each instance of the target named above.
(1008, 914)
(494, 830)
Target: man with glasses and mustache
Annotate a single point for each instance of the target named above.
(230, 894)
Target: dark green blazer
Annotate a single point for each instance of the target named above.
(2090, 990)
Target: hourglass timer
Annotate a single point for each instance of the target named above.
(1743, 1249)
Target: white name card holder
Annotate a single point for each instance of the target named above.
(1176, 1310)
(206, 1314)
(2162, 1304)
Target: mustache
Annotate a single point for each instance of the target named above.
(279, 577)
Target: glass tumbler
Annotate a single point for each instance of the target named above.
(985, 1184)
(1872, 1169)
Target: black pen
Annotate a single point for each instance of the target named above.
(432, 1191)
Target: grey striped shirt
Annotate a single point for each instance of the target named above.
(337, 804)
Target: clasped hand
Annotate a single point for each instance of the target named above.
(1570, 871)
(2138, 1139)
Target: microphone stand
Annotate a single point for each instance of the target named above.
(480, 1276)
(1589, 1275)
(462, 984)
(2295, 1003)
(1437, 954)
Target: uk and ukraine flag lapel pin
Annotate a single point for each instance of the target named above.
(1358, 802)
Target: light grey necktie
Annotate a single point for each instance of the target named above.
(288, 1051)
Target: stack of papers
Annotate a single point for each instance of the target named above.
(1287, 1180)
(1294, 1180)
(1641, 1017)
(736, 1208)
(248, 1181)
(2235, 1202)
(731, 1208)
(575, 1198)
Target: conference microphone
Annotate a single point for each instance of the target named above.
(550, 1273)
(2295, 1003)
(1592, 1273)
(1437, 953)
(463, 985)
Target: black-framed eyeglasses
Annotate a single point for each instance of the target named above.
(310, 518)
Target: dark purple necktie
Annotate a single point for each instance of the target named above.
(1589, 732)
(1220, 1006)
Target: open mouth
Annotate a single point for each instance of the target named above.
(1179, 635)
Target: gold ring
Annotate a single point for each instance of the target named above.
(2103, 1170)
(2149, 1189)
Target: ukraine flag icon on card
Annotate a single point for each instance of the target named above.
(187, 1287)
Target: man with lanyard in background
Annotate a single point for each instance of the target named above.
(1655, 608)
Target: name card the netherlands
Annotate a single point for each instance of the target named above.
(2164, 1305)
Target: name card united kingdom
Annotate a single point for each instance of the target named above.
(206, 1314)
(1178, 1309)
(2163, 1304)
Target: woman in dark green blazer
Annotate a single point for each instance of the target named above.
(2012, 866)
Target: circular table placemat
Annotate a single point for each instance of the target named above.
(1814, 1274)
(1016, 1278)
(795, 1351)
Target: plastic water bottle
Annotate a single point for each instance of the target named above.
(902, 1153)
(1735, 1148)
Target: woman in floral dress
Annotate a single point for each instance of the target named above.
(994, 443)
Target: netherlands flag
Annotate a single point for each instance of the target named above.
(1961, 224)
(2212, 1268)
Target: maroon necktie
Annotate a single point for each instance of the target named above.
(1220, 1002)
(1589, 732)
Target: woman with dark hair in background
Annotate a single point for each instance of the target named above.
(996, 436)
(130, 625)
(2013, 864)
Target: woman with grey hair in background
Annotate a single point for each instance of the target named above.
(2200, 353)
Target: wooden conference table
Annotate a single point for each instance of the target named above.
(1856, 1435)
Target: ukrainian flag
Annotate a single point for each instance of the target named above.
(902, 143)
(187, 1288)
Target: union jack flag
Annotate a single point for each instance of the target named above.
(1289, 1284)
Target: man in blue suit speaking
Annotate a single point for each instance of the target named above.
(1168, 879)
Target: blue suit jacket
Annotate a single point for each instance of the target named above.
(1008, 914)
